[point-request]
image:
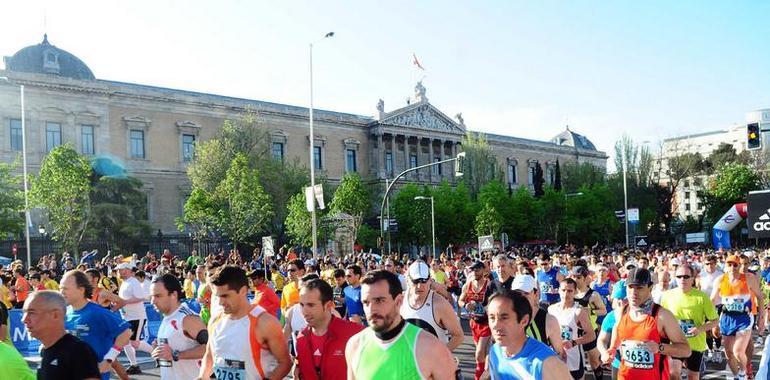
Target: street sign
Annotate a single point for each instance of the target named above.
(486, 243)
(267, 246)
(640, 241)
(504, 240)
(621, 215)
(758, 221)
(695, 238)
(633, 215)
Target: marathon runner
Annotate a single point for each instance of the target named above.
(542, 327)
(472, 299)
(182, 336)
(572, 316)
(391, 348)
(549, 278)
(132, 310)
(593, 302)
(425, 309)
(619, 302)
(736, 291)
(514, 355)
(103, 330)
(696, 315)
(643, 333)
(245, 342)
(602, 284)
(706, 280)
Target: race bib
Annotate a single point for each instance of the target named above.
(686, 325)
(545, 287)
(230, 370)
(566, 333)
(735, 305)
(636, 355)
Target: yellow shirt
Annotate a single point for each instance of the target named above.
(51, 285)
(289, 296)
(188, 288)
(4, 296)
(278, 280)
(439, 276)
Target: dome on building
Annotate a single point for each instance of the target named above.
(45, 58)
(569, 138)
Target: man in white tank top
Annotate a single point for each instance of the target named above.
(245, 341)
(182, 336)
(429, 311)
(571, 316)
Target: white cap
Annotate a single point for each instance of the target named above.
(675, 261)
(419, 270)
(123, 266)
(524, 282)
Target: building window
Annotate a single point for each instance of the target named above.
(551, 175)
(687, 183)
(512, 174)
(52, 136)
(137, 143)
(531, 175)
(188, 147)
(317, 158)
(350, 160)
(87, 139)
(278, 151)
(16, 135)
(436, 168)
(412, 160)
(686, 195)
(389, 162)
(687, 207)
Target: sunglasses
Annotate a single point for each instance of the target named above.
(684, 277)
(420, 281)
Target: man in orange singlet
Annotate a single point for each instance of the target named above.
(646, 333)
(472, 298)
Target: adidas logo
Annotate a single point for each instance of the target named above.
(317, 352)
(766, 215)
(54, 362)
(764, 222)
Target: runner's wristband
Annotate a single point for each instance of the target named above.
(111, 354)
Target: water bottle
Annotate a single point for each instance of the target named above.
(163, 362)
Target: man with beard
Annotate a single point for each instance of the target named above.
(642, 331)
(391, 348)
(429, 311)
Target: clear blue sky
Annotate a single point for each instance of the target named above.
(524, 68)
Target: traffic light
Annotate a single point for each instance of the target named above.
(753, 136)
(459, 164)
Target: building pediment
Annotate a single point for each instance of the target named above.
(423, 116)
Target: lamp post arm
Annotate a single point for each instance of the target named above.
(393, 182)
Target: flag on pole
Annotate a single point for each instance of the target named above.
(416, 62)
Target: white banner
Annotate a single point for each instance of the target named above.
(314, 196)
(267, 246)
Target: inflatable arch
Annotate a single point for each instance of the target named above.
(720, 236)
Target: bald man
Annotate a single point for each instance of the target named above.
(63, 355)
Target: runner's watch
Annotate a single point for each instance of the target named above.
(660, 347)
(175, 355)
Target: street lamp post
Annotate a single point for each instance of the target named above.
(432, 222)
(27, 219)
(43, 239)
(312, 150)
(625, 198)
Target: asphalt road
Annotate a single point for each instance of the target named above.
(464, 353)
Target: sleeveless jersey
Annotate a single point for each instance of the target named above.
(536, 327)
(548, 285)
(585, 301)
(478, 315)
(396, 360)
(527, 364)
(244, 361)
(424, 318)
(636, 361)
(297, 323)
(569, 331)
(736, 299)
(171, 329)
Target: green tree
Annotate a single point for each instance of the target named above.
(480, 165)
(731, 185)
(557, 177)
(538, 181)
(118, 210)
(489, 221)
(523, 222)
(11, 200)
(552, 213)
(725, 154)
(455, 216)
(63, 189)
(413, 217)
(577, 175)
(200, 214)
(244, 208)
(352, 198)
(298, 221)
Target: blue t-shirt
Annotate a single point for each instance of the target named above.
(549, 282)
(607, 325)
(353, 301)
(527, 364)
(765, 274)
(96, 326)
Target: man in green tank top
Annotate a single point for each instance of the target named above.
(391, 348)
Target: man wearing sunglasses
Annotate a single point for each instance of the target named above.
(472, 299)
(737, 291)
(429, 311)
(696, 315)
(290, 293)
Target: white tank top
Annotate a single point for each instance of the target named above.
(297, 323)
(234, 356)
(569, 331)
(171, 329)
(424, 318)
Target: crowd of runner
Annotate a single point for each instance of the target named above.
(532, 313)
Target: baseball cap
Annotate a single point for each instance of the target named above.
(733, 259)
(123, 266)
(579, 271)
(631, 263)
(476, 265)
(675, 261)
(419, 270)
(639, 276)
(524, 282)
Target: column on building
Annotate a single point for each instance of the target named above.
(378, 156)
(442, 170)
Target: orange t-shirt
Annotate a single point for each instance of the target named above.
(22, 289)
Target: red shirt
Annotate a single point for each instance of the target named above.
(267, 299)
(332, 363)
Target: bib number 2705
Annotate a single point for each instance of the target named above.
(232, 370)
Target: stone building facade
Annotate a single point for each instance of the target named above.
(153, 130)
